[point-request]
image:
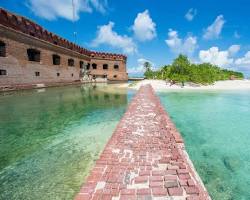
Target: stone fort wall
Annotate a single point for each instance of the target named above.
(18, 34)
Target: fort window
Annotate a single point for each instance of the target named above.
(105, 66)
(58, 74)
(3, 72)
(88, 66)
(2, 49)
(115, 76)
(116, 66)
(56, 59)
(81, 64)
(37, 73)
(33, 55)
(71, 62)
(94, 66)
(72, 75)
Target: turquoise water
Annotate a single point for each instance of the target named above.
(49, 138)
(216, 130)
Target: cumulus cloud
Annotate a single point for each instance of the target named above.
(178, 45)
(214, 30)
(245, 60)
(191, 14)
(63, 8)
(140, 66)
(227, 58)
(144, 28)
(220, 58)
(215, 56)
(234, 49)
(106, 35)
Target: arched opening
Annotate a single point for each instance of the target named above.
(116, 67)
(105, 66)
(56, 59)
(94, 66)
(81, 64)
(71, 62)
(88, 66)
(2, 49)
(33, 55)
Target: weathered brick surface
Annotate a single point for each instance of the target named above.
(20, 35)
(144, 159)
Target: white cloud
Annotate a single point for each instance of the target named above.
(63, 8)
(144, 28)
(106, 35)
(214, 56)
(191, 14)
(179, 45)
(140, 66)
(214, 30)
(245, 60)
(217, 57)
(226, 58)
(234, 49)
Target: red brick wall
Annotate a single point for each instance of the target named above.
(22, 71)
(113, 74)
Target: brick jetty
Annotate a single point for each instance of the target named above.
(144, 159)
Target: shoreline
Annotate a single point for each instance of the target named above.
(161, 86)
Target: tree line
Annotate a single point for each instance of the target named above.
(181, 71)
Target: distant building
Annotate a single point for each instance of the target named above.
(31, 55)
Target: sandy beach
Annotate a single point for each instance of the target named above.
(161, 85)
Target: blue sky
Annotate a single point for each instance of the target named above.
(157, 31)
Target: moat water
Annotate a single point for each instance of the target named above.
(216, 130)
(50, 138)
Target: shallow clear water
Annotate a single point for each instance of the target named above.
(216, 130)
(49, 138)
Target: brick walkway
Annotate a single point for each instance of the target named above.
(144, 159)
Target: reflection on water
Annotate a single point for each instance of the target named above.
(50, 138)
(215, 127)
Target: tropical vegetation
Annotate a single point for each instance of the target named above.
(182, 70)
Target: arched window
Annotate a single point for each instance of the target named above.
(33, 55)
(2, 49)
(105, 66)
(56, 59)
(81, 64)
(88, 66)
(116, 66)
(94, 66)
(71, 62)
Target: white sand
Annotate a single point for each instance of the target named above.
(160, 85)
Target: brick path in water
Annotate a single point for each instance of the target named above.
(144, 159)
